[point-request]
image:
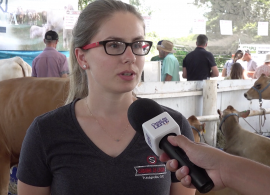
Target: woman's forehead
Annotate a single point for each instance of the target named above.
(124, 25)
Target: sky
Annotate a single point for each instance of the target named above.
(40, 5)
(173, 18)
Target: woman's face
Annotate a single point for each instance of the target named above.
(116, 74)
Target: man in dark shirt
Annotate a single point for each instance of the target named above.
(199, 64)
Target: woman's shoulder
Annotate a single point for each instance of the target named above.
(59, 113)
(181, 121)
(171, 111)
(177, 116)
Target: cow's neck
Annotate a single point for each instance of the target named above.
(230, 128)
(266, 94)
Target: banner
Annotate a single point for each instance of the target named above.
(23, 23)
(257, 51)
(263, 28)
(199, 26)
(226, 27)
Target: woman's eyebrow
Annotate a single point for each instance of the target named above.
(138, 38)
(121, 39)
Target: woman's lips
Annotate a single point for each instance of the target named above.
(127, 75)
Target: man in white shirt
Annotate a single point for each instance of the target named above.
(251, 64)
(264, 69)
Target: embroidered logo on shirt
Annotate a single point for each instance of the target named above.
(151, 171)
(152, 160)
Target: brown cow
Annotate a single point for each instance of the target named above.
(197, 127)
(240, 141)
(261, 86)
(21, 100)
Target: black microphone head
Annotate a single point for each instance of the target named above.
(142, 110)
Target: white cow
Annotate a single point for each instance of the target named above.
(38, 31)
(14, 68)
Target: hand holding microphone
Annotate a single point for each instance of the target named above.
(203, 155)
(148, 118)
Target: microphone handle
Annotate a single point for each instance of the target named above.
(199, 177)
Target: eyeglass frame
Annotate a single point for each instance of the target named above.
(96, 44)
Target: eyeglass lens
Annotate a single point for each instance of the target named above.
(138, 48)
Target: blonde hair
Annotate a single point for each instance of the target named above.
(87, 26)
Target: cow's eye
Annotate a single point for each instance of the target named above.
(258, 86)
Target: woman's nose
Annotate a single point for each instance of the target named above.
(129, 55)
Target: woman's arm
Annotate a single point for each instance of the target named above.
(224, 72)
(25, 189)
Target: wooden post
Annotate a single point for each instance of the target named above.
(210, 108)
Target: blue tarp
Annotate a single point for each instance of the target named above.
(27, 56)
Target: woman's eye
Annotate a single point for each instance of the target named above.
(113, 45)
(138, 45)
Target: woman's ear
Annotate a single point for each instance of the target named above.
(81, 59)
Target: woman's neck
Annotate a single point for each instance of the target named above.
(110, 105)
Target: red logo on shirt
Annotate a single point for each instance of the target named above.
(152, 160)
(150, 170)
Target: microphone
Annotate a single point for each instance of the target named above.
(149, 119)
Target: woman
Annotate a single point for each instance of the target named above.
(88, 145)
(237, 72)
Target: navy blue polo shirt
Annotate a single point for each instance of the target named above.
(198, 64)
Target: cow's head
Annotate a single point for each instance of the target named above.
(231, 112)
(260, 85)
(199, 127)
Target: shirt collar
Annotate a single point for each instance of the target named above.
(49, 48)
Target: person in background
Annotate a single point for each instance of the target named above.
(264, 69)
(227, 67)
(237, 72)
(154, 58)
(170, 67)
(157, 57)
(251, 64)
(50, 63)
(88, 146)
(243, 175)
(200, 64)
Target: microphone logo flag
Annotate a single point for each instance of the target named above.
(148, 140)
(158, 127)
(163, 121)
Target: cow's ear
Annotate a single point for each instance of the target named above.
(220, 115)
(244, 114)
(202, 126)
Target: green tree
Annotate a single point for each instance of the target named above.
(83, 3)
(140, 6)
